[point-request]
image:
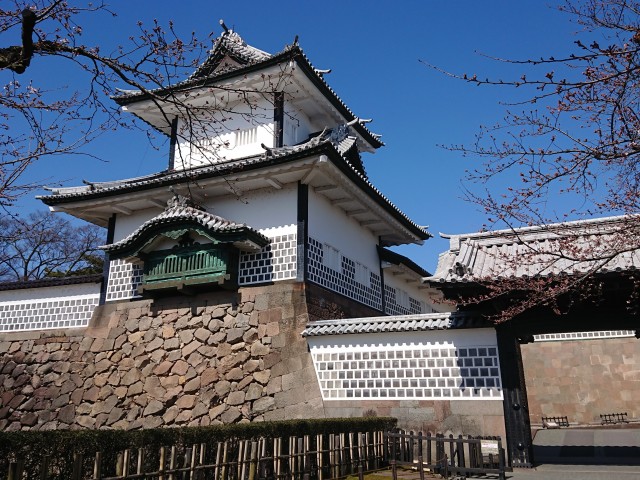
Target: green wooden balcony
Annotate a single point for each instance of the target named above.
(189, 266)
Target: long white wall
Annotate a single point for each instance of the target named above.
(434, 365)
(65, 306)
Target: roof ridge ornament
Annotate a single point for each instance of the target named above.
(339, 133)
(180, 201)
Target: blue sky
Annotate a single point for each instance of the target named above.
(374, 49)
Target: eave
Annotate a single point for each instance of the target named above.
(321, 167)
(291, 54)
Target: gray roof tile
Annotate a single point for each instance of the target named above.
(178, 210)
(251, 58)
(325, 138)
(51, 282)
(600, 245)
(403, 323)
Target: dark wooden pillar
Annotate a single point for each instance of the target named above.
(303, 231)
(516, 409)
(278, 119)
(106, 265)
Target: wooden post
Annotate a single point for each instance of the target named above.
(44, 467)
(119, 464)
(332, 456)
(225, 452)
(446, 466)
(452, 449)
(352, 454)
(343, 454)
(411, 448)
(306, 462)
(163, 453)
(201, 461)
(76, 474)
(172, 463)
(420, 457)
(216, 470)
(140, 461)
(97, 466)
(125, 466)
(253, 465)
(501, 460)
(240, 459)
(192, 463)
(319, 456)
(277, 445)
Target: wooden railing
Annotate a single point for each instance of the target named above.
(321, 457)
(188, 262)
(445, 455)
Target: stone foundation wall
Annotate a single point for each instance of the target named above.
(218, 358)
(582, 378)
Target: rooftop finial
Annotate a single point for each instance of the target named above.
(224, 27)
(295, 40)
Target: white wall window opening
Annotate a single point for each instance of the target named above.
(331, 257)
(246, 137)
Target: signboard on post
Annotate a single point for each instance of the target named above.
(489, 447)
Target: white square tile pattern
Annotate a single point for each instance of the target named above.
(276, 261)
(393, 307)
(47, 313)
(557, 337)
(124, 280)
(342, 280)
(407, 372)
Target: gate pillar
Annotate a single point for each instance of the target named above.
(516, 408)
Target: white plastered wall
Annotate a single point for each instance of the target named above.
(296, 125)
(49, 292)
(64, 306)
(271, 211)
(411, 289)
(262, 210)
(244, 129)
(432, 365)
(330, 224)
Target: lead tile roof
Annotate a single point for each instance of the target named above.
(600, 245)
(252, 59)
(178, 211)
(326, 141)
(401, 323)
(51, 282)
